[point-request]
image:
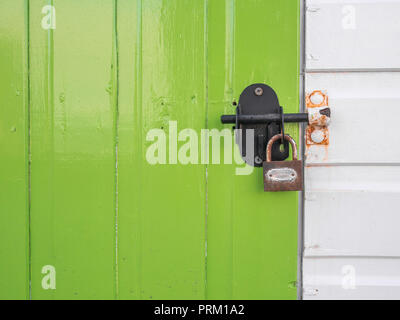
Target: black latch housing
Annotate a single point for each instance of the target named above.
(259, 110)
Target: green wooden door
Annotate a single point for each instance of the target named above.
(83, 83)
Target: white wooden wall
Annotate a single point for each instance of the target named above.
(352, 185)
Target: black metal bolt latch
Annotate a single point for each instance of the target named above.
(259, 110)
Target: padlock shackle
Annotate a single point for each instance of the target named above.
(276, 138)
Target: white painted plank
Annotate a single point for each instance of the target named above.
(352, 185)
(351, 278)
(352, 211)
(352, 34)
(385, 179)
(365, 117)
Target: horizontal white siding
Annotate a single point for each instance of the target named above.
(352, 34)
(352, 185)
(352, 210)
(365, 117)
(362, 278)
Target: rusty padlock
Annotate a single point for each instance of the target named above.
(283, 175)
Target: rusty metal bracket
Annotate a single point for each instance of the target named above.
(319, 114)
(259, 110)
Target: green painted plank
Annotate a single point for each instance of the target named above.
(161, 225)
(129, 272)
(73, 109)
(14, 225)
(252, 235)
(221, 203)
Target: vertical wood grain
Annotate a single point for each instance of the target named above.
(161, 207)
(252, 235)
(14, 182)
(113, 225)
(73, 149)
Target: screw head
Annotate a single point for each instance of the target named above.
(316, 98)
(258, 160)
(317, 136)
(258, 91)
